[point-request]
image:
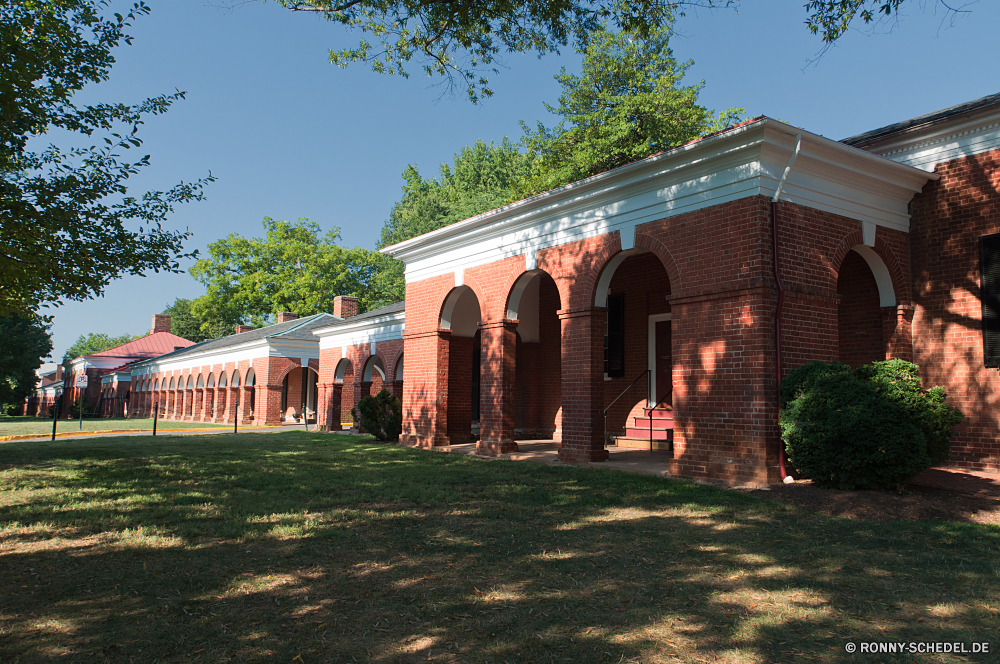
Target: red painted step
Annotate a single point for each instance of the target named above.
(659, 433)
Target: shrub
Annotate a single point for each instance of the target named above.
(898, 381)
(801, 379)
(844, 434)
(381, 415)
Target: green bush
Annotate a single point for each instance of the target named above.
(898, 381)
(74, 409)
(801, 379)
(844, 434)
(381, 415)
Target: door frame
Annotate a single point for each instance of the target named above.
(651, 354)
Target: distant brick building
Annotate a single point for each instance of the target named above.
(99, 397)
(665, 298)
(47, 392)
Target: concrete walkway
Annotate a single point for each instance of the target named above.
(547, 452)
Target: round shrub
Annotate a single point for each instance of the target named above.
(799, 380)
(899, 381)
(843, 434)
(381, 415)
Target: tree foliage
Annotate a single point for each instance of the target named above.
(95, 342)
(463, 41)
(65, 212)
(184, 323)
(292, 268)
(629, 102)
(24, 341)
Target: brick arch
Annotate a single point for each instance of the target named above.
(527, 275)
(395, 366)
(476, 290)
(289, 368)
(884, 251)
(576, 283)
(654, 246)
(364, 365)
(337, 366)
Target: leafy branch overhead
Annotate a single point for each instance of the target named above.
(66, 212)
(464, 40)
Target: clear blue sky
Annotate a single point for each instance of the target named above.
(288, 135)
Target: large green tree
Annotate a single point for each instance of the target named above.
(24, 341)
(463, 40)
(95, 342)
(629, 102)
(68, 223)
(483, 177)
(292, 268)
(184, 323)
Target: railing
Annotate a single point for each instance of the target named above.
(670, 436)
(649, 387)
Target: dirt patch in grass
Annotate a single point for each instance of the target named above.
(964, 499)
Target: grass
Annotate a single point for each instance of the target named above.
(18, 426)
(298, 547)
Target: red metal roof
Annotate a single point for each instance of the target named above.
(152, 345)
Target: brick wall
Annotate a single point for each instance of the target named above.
(947, 219)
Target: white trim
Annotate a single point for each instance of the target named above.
(379, 328)
(886, 293)
(745, 161)
(868, 233)
(651, 352)
(604, 283)
(926, 147)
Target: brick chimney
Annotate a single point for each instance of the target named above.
(345, 306)
(286, 316)
(161, 323)
(240, 329)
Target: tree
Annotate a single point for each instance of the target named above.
(628, 103)
(95, 342)
(463, 40)
(65, 212)
(184, 323)
(24, 341)
(293, 268)
(482, 178)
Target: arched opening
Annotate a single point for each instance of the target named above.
(397, 382)
(251, 383)
(221, 399)
(211, 381)
(171, 383)
(300, 395)
(200, 382)
(534, 303)
(638, 353)
(462, 315)
(374, 374)
(859, 314)
(344, 374)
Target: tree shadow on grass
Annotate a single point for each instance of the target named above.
(261, 548)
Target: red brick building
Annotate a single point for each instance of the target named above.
(47, 392)
(670, 295)
(259, 376)
(99, 397)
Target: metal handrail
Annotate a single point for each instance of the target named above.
(632, 384)
(670, 437)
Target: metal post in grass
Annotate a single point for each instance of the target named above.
(236, 420)
(55, 414)
(156, 415)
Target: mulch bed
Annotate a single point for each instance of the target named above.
(936, 495)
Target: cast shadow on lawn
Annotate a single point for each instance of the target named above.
(259, 548)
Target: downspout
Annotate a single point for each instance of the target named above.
(781, 292)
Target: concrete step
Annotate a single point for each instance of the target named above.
(630, 442)
(659, 433)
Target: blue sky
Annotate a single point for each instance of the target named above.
(288, 135)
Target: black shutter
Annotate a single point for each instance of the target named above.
(989, 274)
(616, 336)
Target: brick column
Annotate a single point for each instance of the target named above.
(232, 405)
(460, 390)
(188, 404)
(425, 393)
(328, 408)
(198, 408)
(896, 332)
(208, 406)
(496, 385)
(268, 407)
(244, 410)
(219, 406)
(583, 385)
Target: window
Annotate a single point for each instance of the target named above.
(614, 342)
(989, 271)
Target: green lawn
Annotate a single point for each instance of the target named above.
(17, 426)
(298, 547)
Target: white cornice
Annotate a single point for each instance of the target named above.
(376, 329)
(252, 350)
(928, 146)
(739, 163)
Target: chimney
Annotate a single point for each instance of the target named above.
(161, 323)
(240, 329)
(345, 306)
(286, 316)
